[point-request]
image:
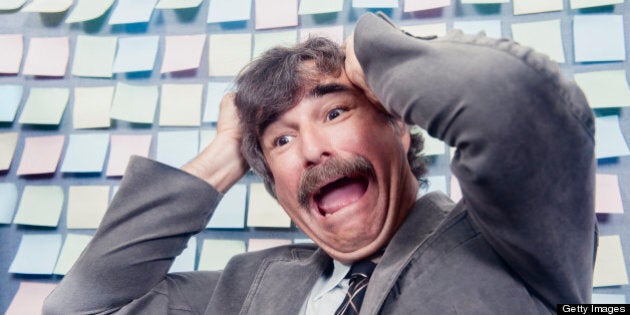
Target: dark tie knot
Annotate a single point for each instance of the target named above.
(361, 270)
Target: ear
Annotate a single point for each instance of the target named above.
(402, 131)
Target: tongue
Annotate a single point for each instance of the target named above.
(340, 194)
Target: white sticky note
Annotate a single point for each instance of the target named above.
(492, 28)
(47, 56)
(610, 266)
(601, 298)
(604, 89)
(435, 183)
(91, 107)
(420, 5)
(230, 213)
(263, 210)
(334, 33)
(275, 13)
(37, 254)
(30, 297)
(432, 146)
(8, 142)
(10, 98)
(256, 244)
(581, 4)
(176, 148)
(182, 52)
(484, 1)
(41, 155)
(85, 10)
(40, 206)
(265, 41)
(45, 106)
(122, 147)
(86, 206)
(11, 53)
(177, 4)
(136, 53)
(319, 6)
(543, 36)
(229, 10)
(375, 3)
(437, 29)
(215, 254)
(85, 153)
(536, 6)
(186, 260)
(132, 11)
(180, 105)
(598, 38)
(72, 248)
(214, 95)
(607, 194)
(11, 4)
(609, 140)
(94, 56)
(47, 6)
(228, 53)
(134, 103)
(8, 202)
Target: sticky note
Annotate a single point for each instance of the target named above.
(94, 56)
(434, 183)
(319, 6)
(263, 210)
(124, 146)
(86, 206)
(177, 4)
(456, 191)
(186, 260)
(11, 4)
(264, 41)
(334, 33)
(228, 53)
(609, 140)
(72, 248)
(214, 95)
(484, 1)
(543, 36)
(176, 148)
(45, 106)
(536, 6)
(85, 153)
(610, 267)
(8, 202)
(598, 38)
(10, 98)
(37, 254)
(375, 3)
(136, 53)
(47, 6)
(256, 244)
(91, 107)
(275, 13)
(581, 4)
(420, 5)
(432, 146)
(29, 298)
(601, 298)
(132, 11)
(85, 10)
(11, 53)
(230, 213)
(182, 52)
(229, 10)
(8, 142)
(40, 205)
(41, 155)
(437, 29)
(492, 28)
(47, 56)
(607, 194)
(205, 138)
(215, 254)
(605, 89)
(180, 105)
(134, 103)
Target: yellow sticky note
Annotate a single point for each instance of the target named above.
(276, 13)
(72, 248)
(180, 105)
(11, 4)
(228, 53)
(86, 206)
(85, 10)
(8, 142)
(94, 56)
(581, 4)
(215, 254)
(134, 103)
(40, 205)
(420, 5)
(91, 107)
(544, 36)
(263, 210)
(47, 56)
(610, 266)
(45, 106)
(47, 6)
(41, 155)
(604, 89)
(11, 53)
(536, 6)
(264, 41)
(320, 6)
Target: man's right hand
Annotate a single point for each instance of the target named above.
(221, 163)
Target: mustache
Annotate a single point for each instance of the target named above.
(312, 178)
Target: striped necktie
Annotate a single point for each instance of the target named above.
(359, 276)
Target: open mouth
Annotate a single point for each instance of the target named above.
(337, 194)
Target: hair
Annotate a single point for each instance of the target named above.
(276, 81)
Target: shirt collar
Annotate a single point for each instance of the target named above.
(340, 270)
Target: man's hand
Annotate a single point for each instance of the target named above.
(221, 163)
(355, 72)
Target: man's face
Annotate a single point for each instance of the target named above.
(340, 169)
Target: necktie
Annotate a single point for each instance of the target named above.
(359, 277)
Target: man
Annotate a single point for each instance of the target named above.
(326, 140)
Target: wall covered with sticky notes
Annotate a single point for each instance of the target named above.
(85, 84)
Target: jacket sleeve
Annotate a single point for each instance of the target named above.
(524, 138)
(154, 213)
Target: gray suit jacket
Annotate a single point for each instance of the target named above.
(521, 239)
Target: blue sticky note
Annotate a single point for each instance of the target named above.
(86, 153)
(136, 53)
(176, 148)
(598, 38)
(8, 202)
(492, 28)
(37, 254)
(186, 260)
(230, 214)
(215, 93)
(609, 140)
(435, 183)
(10, 97)
(229, 10)
(600, 298)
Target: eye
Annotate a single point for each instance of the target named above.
(282, 140)
(334, 113)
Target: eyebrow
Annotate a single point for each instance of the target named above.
(323, 89)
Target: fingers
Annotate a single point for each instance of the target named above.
(355, 72)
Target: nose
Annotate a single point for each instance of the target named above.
(315, 145)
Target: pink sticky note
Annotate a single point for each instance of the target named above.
(182, 52)
(607, 194)
(122, 147)
(456, 191)
(29, 298)
(11, 53)
(262, 243)
(276, 13)
(41, 155)
(47, 56)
